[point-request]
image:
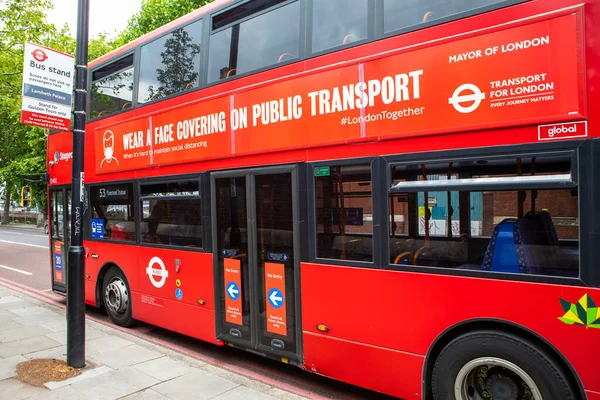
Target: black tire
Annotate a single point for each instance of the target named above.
(121, 295)
(550, 379)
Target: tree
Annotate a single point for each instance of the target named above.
(179, 67)
(156, 13)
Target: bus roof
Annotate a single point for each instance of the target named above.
(159, 31)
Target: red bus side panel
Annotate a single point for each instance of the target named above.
(172, 289)
(384, 370)
(406, 312)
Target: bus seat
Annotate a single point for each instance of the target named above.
(428, 16)
(231, 72)
(348, 38)
(542, 228)
(506, 251)
(285, 57)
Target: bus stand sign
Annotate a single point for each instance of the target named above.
(47, 88)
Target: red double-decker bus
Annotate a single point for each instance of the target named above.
(394, 194)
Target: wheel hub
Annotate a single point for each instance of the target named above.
(502, 387)
(494, 379)
(116, 296)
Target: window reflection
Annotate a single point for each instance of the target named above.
(112, 93)
(408, 13)
(170, 64)
(267, 39)
(338, 22)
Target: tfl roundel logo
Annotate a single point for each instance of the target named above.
(39, 55)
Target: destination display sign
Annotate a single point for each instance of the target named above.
(528, 74)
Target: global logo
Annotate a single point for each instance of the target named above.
(56, 158)
(39, 55)
(562, 129)
(467, 93)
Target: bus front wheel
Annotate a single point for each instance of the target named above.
(117, 297)
(496, 365)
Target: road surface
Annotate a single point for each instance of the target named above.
(25, 261)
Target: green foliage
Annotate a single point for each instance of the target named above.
(23, 147)
(156, 13)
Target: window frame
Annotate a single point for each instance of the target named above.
(577, 148)
(200, 69)
(375, 32)
(301, 47)
(376, 186)
(90, 82)
(380, 21)
(203, 194)
(371, 31)
(88, 219)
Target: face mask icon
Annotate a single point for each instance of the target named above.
(108, 143)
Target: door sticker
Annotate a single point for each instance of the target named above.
(233, 291)
(58, 261)
(275, 292)
(97, 229)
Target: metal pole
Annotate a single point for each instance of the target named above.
(76, 267)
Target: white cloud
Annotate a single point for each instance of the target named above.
(109, 16)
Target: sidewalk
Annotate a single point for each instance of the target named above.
(119, 365)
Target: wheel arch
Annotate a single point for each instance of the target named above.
(463, 327)
(99, 281)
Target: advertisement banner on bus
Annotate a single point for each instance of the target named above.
(47, 87)
(529, 74)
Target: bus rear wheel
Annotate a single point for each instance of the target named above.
(117, 299)
(496, 365)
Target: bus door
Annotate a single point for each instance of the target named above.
(59, 229)
(256, 256)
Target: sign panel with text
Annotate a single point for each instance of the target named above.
(47, 88)
(276, 298)
(233, 291)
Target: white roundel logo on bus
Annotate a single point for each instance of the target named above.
(473, 95)
(160, 272)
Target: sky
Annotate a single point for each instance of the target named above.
(108, 16)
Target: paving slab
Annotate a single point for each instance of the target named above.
(125, 356)
(88, 374)
(164, 368)
(147, 394)
(21, 332)
(9, 324)
(90, 333)
(198, 385)
(14, 389)
(114, 384)
(243, 392)
(25, 346)
(8, 366)
(51, 321)
(105, 343)
(63, 393)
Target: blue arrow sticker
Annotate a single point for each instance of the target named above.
(275, 297)
(233, 291)
(179, 293)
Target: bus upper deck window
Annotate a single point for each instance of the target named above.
(399, 15)
(112, 88)
(338, 22)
